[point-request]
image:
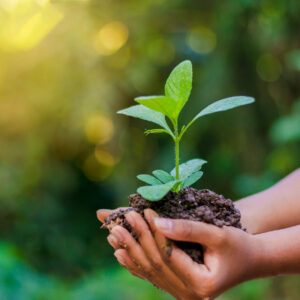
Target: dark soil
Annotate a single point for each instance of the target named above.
(191, 204)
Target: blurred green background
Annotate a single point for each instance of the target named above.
(67, 66)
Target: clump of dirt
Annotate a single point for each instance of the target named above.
(191, 204)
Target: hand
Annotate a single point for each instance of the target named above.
(143, 264)
(231, 256)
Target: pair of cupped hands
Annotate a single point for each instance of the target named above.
(230, 254)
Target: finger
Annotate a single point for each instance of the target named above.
(138, 256)
(113, 242)
(126, 241)
(190, 231)
(190, 272)
(160, 240)
(102, 214)
(126, 262)
(152, 252)
(183, 270)
(146, 239)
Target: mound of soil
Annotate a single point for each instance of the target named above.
(189, 203)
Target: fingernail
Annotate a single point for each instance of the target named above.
(163, 224)
(112, 241)
(120, 259)
(130, 219)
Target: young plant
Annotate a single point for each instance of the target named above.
(154, 109)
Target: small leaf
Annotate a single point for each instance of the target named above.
(162, 104)
(156, 192)
(192, 179)
(225, 104)
(188, 168)
(179, 84)
(148, 179)
(149, 131)
(144, 113)
(163, 176)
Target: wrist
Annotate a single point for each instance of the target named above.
(249, 214)
(264, 258)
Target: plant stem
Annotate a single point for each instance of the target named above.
(177, 158)
(177, 140)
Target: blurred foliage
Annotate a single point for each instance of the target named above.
(19, 281)
(68, 66)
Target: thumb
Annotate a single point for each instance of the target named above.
(189, 231)
(103, 214)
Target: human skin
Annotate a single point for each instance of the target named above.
(231, 256)
(275, 208)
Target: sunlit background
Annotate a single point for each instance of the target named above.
(66, 67)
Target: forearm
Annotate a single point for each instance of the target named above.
(275, 208)
(279, 252)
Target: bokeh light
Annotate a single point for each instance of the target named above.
(28, 27)
(94, 170)
(202, 40)
(104, 157)
(269, 67)
(111, 37)
(99, 129)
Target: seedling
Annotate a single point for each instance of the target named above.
(155, 109)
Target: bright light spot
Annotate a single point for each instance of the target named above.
(42, 2)
(99, 129)
(94, 171)
(21, 34)
(104, 157)
(268, 68)
(111, 38)
(161, 51)
(202, 40)
(9, 5)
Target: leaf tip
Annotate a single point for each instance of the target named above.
(186, 62)
(249, 99)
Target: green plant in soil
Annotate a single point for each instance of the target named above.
(155, 109)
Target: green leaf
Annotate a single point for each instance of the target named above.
(144, 113)
(179, 85)
(149, 131)
(225, 104)
(162, 104)
(148, 179)
(192, 179)
(163, 176)
(220, 105)
(188, 168)
(156, 192)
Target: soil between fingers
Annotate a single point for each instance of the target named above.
(190, 204)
